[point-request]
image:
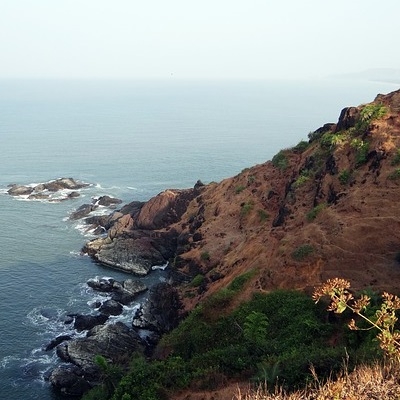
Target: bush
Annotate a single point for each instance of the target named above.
(301, 146)
(198, 280)
(344, 177)
(280, 160)
(239, 189)
(302, 252)
(263, 215)
(369, 113)
(326, 141)
(260, 337)
(362, 149)
(246, 208)
(205, 256)
(239, 282)
(311, 215)
(301, 180)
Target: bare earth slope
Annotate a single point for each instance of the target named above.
(326, 207)
(330, 210)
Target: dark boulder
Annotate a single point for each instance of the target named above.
(107, 201)
(86, 322)
(114, 342)
(60, 184)
(347, 119)
(82, 211)
(161, 312)
(111, 307)
(55, 342)
(101, 285)
(69, 380)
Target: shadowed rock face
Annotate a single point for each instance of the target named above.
(139, 236)
(113, 342)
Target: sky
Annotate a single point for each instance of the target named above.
(188, 39)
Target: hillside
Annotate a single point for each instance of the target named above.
(318, 210)
(327, 207)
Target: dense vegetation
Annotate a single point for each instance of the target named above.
(272, 338)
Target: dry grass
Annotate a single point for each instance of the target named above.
(375, 382)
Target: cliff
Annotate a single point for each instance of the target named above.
(327, 207)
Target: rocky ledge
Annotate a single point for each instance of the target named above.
(139, 235)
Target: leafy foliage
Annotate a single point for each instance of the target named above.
(362, 148)
(280, 160)
(384, 320)
(368, 114)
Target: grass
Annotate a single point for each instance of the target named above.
(376, 381)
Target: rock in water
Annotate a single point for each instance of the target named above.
(114, 342)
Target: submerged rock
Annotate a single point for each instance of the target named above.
(82, 211)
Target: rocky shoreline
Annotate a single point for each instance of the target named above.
(135, 239)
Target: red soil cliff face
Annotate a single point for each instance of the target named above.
(333, 211)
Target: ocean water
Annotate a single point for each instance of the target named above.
(129, 140)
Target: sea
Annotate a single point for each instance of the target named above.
(130, 140)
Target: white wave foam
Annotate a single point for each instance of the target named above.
(161, 267)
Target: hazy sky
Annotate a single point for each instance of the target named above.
(207, 39)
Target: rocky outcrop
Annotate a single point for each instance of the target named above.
(161, 312)
(114, 342)
(47, 189)
(139, 235)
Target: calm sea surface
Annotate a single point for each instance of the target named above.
(130, 140)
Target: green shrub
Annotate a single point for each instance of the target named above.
(369, 113)
(344, 177)
(326, 141)
(255, 328)
(362, 149)
(280, 160)
(260, 337)
(239, 189)
(263, 215)
(313, 136)
(205, 256)
(302, 252)
(239, 282)
(198, 280)
(246, 208)
(301, 146)
(311, 215)
(302, 179)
